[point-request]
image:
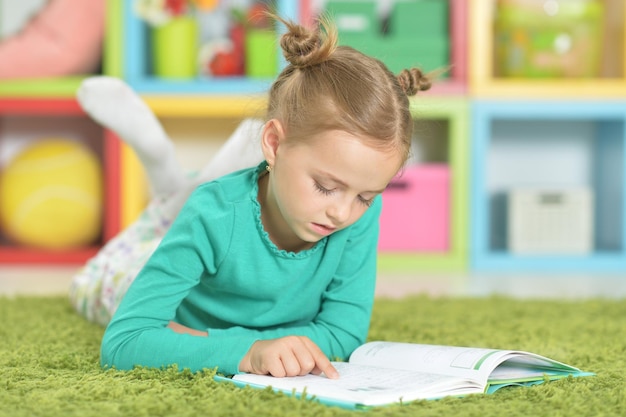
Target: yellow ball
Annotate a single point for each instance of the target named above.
(51, 195)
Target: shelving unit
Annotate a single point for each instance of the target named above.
(45, 114)
(497, 134)
(551, 145)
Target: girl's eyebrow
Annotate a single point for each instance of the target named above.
(343, 184)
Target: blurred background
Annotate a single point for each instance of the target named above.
(517, 174)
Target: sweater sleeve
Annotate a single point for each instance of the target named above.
(343, 321)
(138, 333)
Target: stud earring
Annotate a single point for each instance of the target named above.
(268, 168)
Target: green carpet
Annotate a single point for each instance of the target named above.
(49, 363)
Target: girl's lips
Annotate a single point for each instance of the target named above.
(322, 229)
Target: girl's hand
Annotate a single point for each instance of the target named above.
(179, 328)
(287, 356)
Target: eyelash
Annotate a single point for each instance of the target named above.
(367, 203)
(322, 190)
(326, 191)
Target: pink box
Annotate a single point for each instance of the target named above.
(416, 210)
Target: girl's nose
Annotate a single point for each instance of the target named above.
(339, 212)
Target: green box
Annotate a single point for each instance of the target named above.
(398, 54)
(355, 18)
(360, 43)
(427, 54)
(374, 46)
(419, 18)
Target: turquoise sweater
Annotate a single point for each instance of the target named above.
(217, 269)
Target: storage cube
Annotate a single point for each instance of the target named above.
(416, 211)
(25, 121)
(133, 62)
(555, 222)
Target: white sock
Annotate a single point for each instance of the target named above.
(113, 104)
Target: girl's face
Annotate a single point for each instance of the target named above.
(321, 185)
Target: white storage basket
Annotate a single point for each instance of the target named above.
(550, 221)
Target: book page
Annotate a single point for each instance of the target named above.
(527, 366)
(513, 373)
(366, 385)
(470, 363)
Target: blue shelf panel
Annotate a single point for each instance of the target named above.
(201, 86)
(598, 127)
(136, 56)
(502, 262)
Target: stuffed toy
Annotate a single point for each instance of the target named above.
(64, 38)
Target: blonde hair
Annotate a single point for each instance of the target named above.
(331, 87)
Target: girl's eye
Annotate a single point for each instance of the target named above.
(366, 202)
(322, 190)
(327, 191)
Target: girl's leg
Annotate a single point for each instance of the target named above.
(114, 105)
(99, 287)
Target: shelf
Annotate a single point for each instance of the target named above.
(40, 88)
(24, 117)
(19, 256)
(136, 68)
(548, 146)
(598, 262)
(454, 113)
(610, 82)
(207, 106)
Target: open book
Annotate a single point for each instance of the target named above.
(381, 373)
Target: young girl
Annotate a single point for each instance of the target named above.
(270, 269)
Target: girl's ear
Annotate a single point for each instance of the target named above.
(271, 138)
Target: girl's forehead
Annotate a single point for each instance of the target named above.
(336, 137)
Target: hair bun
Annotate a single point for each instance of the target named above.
(304, 47)
(413, 81)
